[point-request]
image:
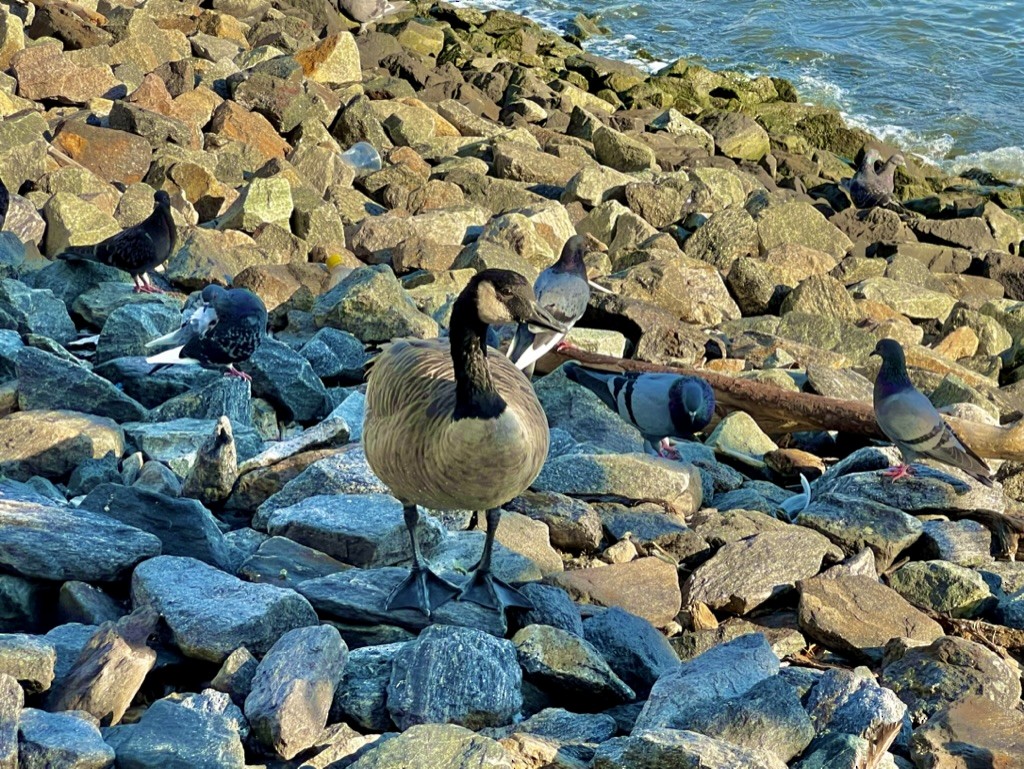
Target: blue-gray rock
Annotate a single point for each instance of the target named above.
(293, 688)
(578, 411)
(337, 357)
(436, 746)
(285, 378)
(947, 671)
(280, 561)
(23, 604)
(157, 478)
(353, 411)
(574, 734)
(767, 717)
(632, 647)
(48, 382)
(129, 327)
(568, 668)
(836, 750)
(928, 490)
(69, 281)
(551, 606)
(12, 700)
(224, 396)
(965, 543)
(67, 640)
(359, 529)
(235, 676)
(1011, 610)
(854, 523)
(91, 473)
(211, 613)
(30, 311)
(177, 442)
(346, 472)
(67, 740)
(133, 376)
(572, 523)
(458, 676)
(850, 702)
(84, 603)
(361, 696)
(646, 528)
(183, 525)
(358, 596)
(678, 749)
(10, 346)
(172, 736)
(28, 659)
(41, 539)
(213, 701)
(100, 302)
(723, 672)
(12, 254)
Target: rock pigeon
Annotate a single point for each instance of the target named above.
(658, 405)
(225, 329)
(910, 421)
(137, 249)
(365, 11)
(563, 290)
(872, 186)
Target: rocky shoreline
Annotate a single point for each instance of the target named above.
(194, 569)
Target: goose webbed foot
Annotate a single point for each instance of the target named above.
(490, 592)
(422, 590)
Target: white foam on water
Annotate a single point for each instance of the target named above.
(1005, 163)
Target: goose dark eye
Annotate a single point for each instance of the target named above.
(505, 291)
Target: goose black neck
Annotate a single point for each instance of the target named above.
(475, 395)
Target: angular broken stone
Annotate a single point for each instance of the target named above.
(293, 688)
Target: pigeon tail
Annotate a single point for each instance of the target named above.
(598, 383)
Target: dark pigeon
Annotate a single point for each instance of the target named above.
(137, 249)
(658, 405)
(873, 184)
(910, 421)
(563, 290)
(226, 328)
(5, 202)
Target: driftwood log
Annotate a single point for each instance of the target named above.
(780, 411)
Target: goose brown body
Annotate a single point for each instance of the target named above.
(425, 455)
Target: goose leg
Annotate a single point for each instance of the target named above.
(422, 589)
(483, 587)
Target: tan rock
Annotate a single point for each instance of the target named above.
(334, 60)
(233, 121)
(110, 154)
(53, 443)
(647, 587)
(45, 72)
(976, 727)
(959, 343)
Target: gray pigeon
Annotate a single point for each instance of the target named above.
(872, 186)
(658, 405)
(563, 290)
(226, 328)
(137, 249)
(910, 421)
(365, 11)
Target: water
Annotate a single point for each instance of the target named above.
(940, 78)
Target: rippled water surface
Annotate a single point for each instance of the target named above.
(942, 78)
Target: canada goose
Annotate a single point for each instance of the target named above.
(449, 427)
(226, 328)
(563, 290)
(137, 249)
(909, 420)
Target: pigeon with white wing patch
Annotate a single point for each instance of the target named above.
(225, 328)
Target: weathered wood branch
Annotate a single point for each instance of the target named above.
(782, 411)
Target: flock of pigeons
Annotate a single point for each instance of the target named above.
(449, 426)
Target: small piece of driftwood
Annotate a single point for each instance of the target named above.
(780, 411)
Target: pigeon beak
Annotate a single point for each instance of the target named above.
(599, 287)
(543, 319)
